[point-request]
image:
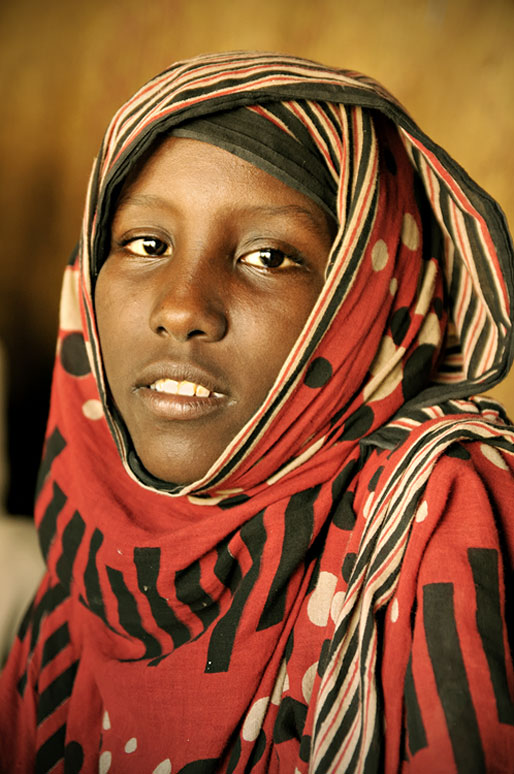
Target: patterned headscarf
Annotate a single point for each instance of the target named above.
(233, 624)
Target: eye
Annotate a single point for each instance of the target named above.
(146, 246)
(269, 258)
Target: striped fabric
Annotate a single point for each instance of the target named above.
(331, 595)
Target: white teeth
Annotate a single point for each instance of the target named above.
(186, 388)
(202, 391)
(165, 385)
(172, 387)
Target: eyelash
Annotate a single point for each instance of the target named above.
(272, 254)
(271, 257)
(128, 244)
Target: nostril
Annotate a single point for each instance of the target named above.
(196, 332)
(176, 323)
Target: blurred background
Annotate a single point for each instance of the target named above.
(65, 66)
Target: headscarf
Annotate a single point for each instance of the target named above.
(236, 623)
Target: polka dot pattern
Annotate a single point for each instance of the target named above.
(318, 607)
(422, 512)
(400, 322)
(395, 610)
(318, 373)
(93, 409)
(69, 316)
(73, 758)
(386, 369)
(164, 767)
(372, 485)
(131, 745)
(430, 332)
(458, 451)
(344, 516)
(410, 232)
(305, 748)
(494, 456)
(337, 605)
(417, 370)
(253, 721)
(379, 255)
(104, 764)
(106, 721)
(358, 424)
(279, 684)
(73, 355)
(348, 564)
(308, 681)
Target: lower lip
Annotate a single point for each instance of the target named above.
(182, 407)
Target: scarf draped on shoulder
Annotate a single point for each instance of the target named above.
(237, 624)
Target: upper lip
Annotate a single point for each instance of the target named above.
(182, 372)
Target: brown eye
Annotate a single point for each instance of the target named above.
(147, 246)
(268, 258)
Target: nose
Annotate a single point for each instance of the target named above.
(188, 301)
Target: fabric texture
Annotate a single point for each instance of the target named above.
(275, 140)
(331, 595)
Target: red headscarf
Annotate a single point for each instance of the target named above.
(237, 624)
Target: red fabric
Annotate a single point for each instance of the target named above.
(292, 623)
(467, 505)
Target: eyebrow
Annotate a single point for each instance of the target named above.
(313, 221)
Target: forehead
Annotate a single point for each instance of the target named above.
(187, 174)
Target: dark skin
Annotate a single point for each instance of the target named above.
(213, 269)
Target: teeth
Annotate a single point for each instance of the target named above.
(165, 385)
(186, 388)
(172, 387)
(202, 391)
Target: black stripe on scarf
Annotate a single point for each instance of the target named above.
(50, 752)
(298, 527)
(450, 677)
(484, 566)
(227, 569)
(72, 536)
(190, 592)
(148, 565)
(128, 614)
(222, 639)
(54, 644)
(56, 693)
(54, 446)
(48, 524)
(415, 727)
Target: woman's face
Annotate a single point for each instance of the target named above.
(214, 267)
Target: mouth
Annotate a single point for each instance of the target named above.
(173, 391)
(184, 388)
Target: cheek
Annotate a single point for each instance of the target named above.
(268, 330)
(113, 321)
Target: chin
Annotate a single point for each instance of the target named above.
(181, 475)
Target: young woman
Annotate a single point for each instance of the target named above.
(278, 530)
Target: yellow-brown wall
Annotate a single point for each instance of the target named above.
(65, 66)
